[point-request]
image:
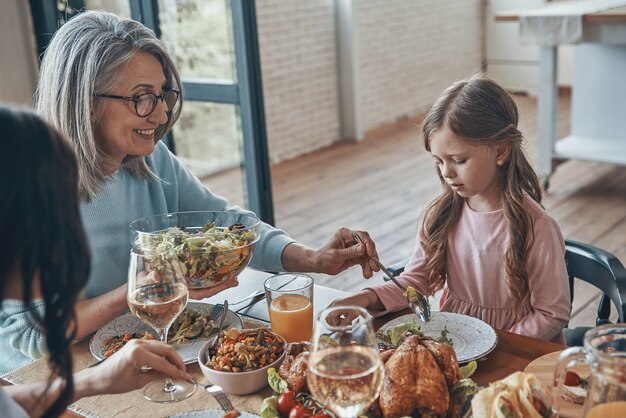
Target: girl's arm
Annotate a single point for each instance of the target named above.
(120, 373)
(549, 287)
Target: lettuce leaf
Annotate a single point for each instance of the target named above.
(277, 383)
(269, 408)
(394, 336)
(468, 370)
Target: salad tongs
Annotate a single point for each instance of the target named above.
(421, 307)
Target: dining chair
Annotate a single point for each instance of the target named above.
(604, 271)
(592, 265)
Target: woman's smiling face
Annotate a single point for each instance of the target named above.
(119, 131)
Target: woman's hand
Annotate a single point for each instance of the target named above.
(199, 294)
(342, 251)
(122, 371)
(338, 254)
(366, 299)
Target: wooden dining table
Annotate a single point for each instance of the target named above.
(512, 353)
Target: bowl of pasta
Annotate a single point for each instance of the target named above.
(212, 247)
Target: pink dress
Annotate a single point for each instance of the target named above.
(477, 284)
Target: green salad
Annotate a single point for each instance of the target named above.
(209, 255)
(393, 337)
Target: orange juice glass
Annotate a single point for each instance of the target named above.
(290, 304)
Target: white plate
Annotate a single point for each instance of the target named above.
(130, 323)
(471, 337)
(211, 413)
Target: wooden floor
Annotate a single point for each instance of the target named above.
(381, 185)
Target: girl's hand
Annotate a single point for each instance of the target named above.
(342, 252)
(199, 294)
(365, 299)
(122, 371)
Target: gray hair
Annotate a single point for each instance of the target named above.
(83, 59)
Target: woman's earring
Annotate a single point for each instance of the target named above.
(499, 162)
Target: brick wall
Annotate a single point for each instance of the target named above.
(409, 51)
(299, 64)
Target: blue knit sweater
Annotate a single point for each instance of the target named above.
(106, 218)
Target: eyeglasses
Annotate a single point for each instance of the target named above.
(147, 102)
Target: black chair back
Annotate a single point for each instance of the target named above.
(601, 269)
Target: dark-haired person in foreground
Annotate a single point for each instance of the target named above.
(44, 264)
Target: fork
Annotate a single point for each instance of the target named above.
(220, 396)
(216, 312)
(421, 308)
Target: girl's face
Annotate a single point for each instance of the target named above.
(119, 131)
(470, 170)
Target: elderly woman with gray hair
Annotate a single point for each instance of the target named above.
(109, 85)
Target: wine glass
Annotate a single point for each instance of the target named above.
(157, 294)
(345, 371)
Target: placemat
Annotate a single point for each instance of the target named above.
(132, 404)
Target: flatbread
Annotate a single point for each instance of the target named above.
(517, 391)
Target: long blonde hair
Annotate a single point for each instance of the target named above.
(481, 112)
(84, 58)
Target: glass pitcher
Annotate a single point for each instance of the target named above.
(605, 351)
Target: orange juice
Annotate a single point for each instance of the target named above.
(608, 410)
(291, 316)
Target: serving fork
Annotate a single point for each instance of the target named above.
(220, 396)
(421, 308)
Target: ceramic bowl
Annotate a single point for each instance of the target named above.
(240, 383)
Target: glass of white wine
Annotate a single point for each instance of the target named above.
(157, 294)
(345, 371)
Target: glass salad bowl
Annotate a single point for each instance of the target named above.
(213, 247)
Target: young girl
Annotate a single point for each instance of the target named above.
(485, 239)
(44, 264)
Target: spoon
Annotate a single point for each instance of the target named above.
(421, 308)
